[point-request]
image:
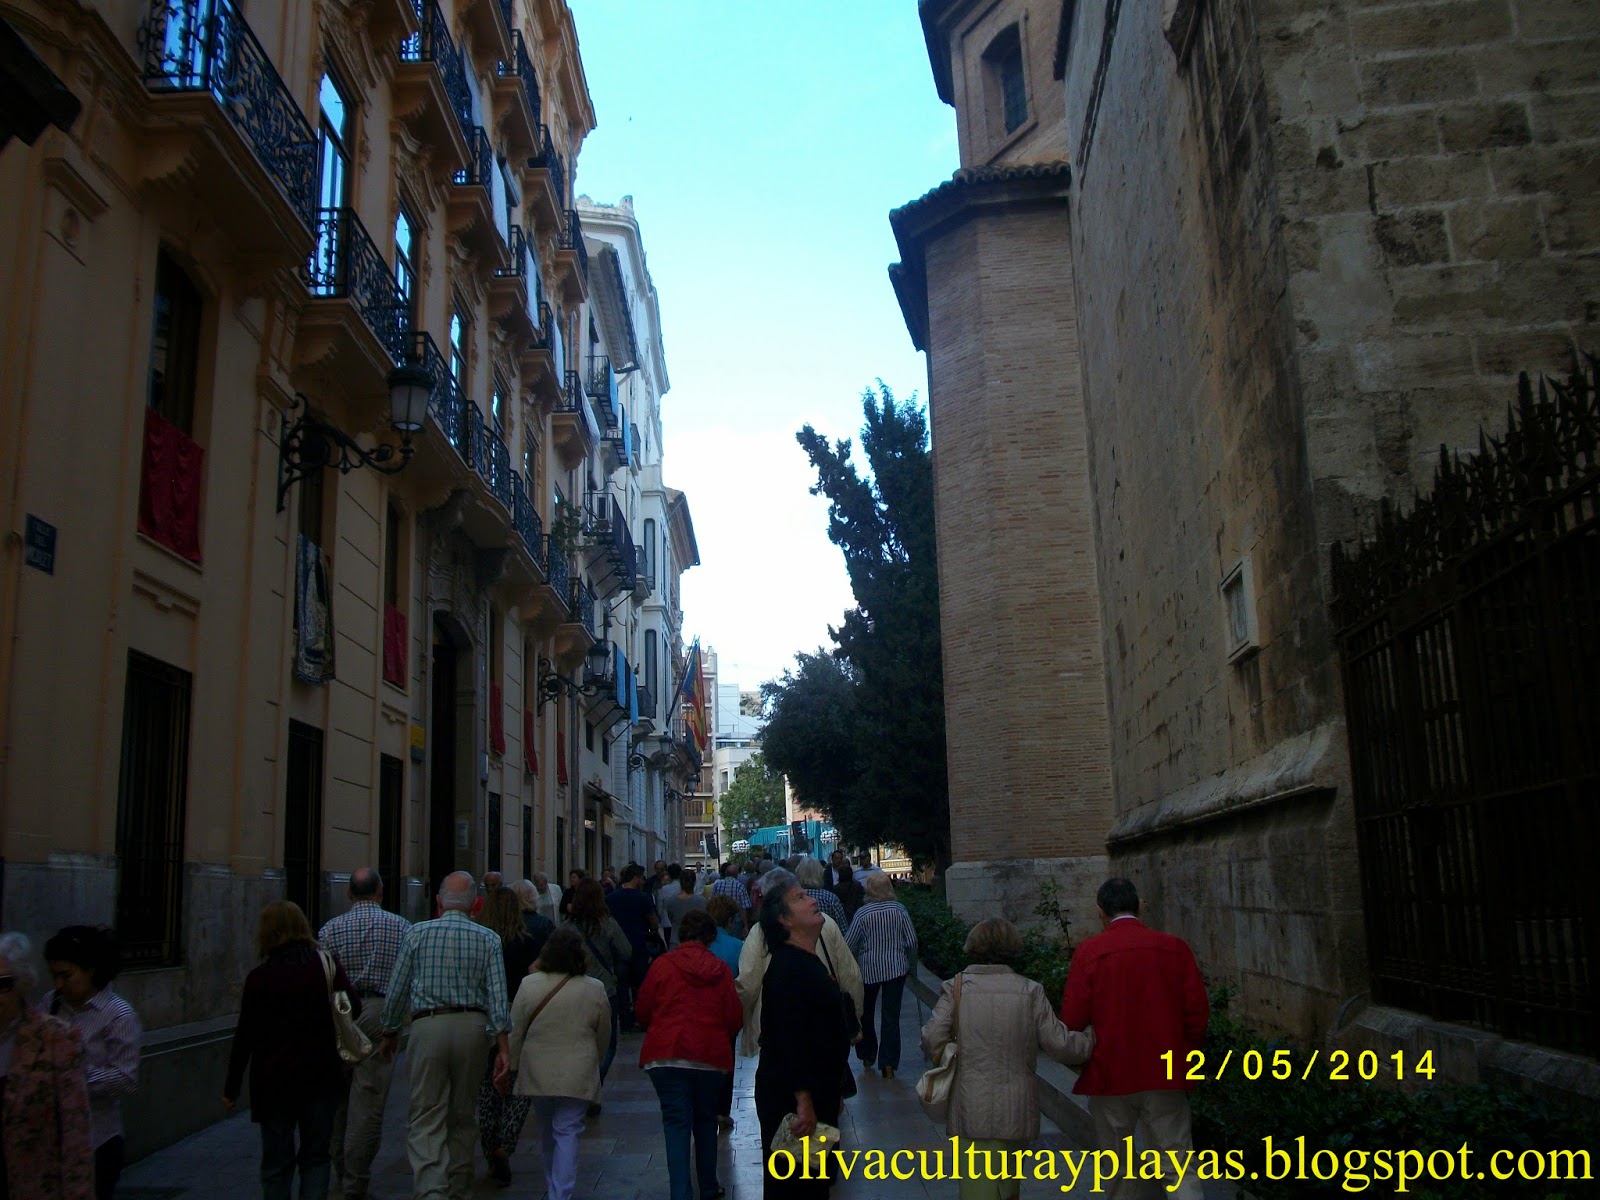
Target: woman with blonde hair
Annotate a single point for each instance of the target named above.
(884, 941)
(1001, 1022)
(285, 1036)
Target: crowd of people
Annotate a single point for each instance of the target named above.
(515, 996)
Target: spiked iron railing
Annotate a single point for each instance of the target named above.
(346, 264)
(432, 43)
(521, 67)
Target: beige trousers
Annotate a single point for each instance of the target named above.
(446, 1056)
(1165, 1117)
(358, 1125)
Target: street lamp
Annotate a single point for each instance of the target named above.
(309, 445)
(552, 683)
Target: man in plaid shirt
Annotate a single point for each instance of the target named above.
(366, 941)
(728, 885)
(450, 978)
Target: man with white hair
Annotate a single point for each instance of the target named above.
(450, 980)
(549, 898)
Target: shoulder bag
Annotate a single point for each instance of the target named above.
(934, 1088)
(354, 1047)
(848, 1019)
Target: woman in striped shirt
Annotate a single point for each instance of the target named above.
(885, 944)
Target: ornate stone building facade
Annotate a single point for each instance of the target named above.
(241, 674)
(1290, 249)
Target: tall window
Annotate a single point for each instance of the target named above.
(498, 405)
(458, 351)
(333, 143)
(1006, 85)
(152, 795)
(391, 557)
(405, 263)
(174, 344)
(650, 666)
(650, 556)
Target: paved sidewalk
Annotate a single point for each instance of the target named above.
(622, 1155)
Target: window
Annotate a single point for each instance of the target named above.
(170, 471)
(650, 553)
(333, 143)
(605, 748)
(588, 735)
(396, 639)
(650, 656)
(391, 556)
(302, 821)
(1007, 92)
(458, 351)
(498, 405)
(174, 345)
(1242, 638)
(152, 796)
(312, 490)
(405, 264)
(493, 855)
(527, 841)
(390, 775)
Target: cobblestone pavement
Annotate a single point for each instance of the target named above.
(622, 1156)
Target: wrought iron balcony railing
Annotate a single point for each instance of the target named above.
(603, 387)
(583, 607)
(576, 396)
(345, 264)
(558, 571)
(647, 702)
(518, 244)
(479, 171)
(550, 160)
(443, 403)
(620, 435)
(497, 469)
(521, 67)
(525, 516)
(207, 46)
(547, 323)
(572, 239)
(432, 43)
(507, 15)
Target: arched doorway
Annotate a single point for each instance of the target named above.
(452, 781)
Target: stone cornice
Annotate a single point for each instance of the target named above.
(970, 192)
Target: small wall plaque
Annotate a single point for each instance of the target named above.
(39, 545)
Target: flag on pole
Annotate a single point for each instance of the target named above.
(693, 694)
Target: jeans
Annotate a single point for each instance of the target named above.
(279, 1157)
(882, 1045)
(616, 1028)
(560, 1125)
(689, 1101)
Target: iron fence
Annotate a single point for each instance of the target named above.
(558, 571)
(479, 171)
(207, 46)
(525, 515)
(1469, 633)
(497, 468)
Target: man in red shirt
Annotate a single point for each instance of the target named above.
(1142, 992)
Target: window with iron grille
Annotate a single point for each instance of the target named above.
(152, 796)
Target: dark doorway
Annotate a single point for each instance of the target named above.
(302, 821)
(492, 857)
(442, 760)
(390, 776)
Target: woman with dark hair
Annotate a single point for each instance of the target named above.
(44, 1106)
(574, 878)
(610, 954)
(690, 1013)
(804, 1042)
(285, 1036)
(848, 889)
(561, 1027)
(84, 960)
(500, 1117)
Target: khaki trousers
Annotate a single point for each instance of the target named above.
(358, 1125)
(446, 1056)
(1165, 1117)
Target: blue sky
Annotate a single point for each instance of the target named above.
(764, 145)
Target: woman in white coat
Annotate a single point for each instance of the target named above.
(560, 1031)
(1003, 1023)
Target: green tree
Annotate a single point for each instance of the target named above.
(810, 734)
(754, 798)
(884, 525)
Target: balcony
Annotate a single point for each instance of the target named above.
(576, 632)
(516, 88)
(223, 126)
(529, 525)
(540, 374)
(619, 442)
(603, 388)
(572, 425)
(512, 291)
(472, 202)
(644, 581)
(572, 258)
(545, 180)
(358, 325)
(430, 88)
(489, 24)
(610, 554)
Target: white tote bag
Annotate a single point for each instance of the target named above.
(934, 1088)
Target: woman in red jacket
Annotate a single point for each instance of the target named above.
(690, 1013)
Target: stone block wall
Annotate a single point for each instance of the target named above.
(1439, 167)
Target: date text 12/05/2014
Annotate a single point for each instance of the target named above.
(1339, 1066)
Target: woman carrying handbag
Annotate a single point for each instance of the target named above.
(1005, 1023)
